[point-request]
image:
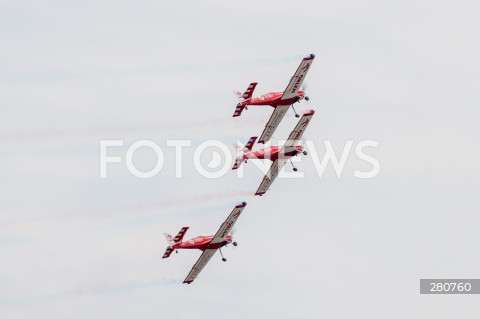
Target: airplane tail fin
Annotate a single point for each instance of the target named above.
(243, 150)
(239, 109)
(173, 240)
(169, 238)
(238, 162)
(168, 252)
(247, 95)
(243, 99)
(238, 96)
(250, 143)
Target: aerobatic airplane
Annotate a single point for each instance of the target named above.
(281, 101)
(208, 244)
(279, 155)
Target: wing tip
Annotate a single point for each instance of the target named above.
(238, 109)
(242, 204)
(309, 112)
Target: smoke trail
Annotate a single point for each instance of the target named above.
(181, 201)
(128, 286)
(135, 208)
(120, 131)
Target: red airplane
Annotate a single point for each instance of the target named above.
(277, 154)
(208, 244)
(281, 101)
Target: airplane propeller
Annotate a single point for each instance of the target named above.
(232, 232)
(304, 89)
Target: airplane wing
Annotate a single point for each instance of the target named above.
(297, 79)
(201, 262)
(227, 225)
(219, 237)
(271, 175)
(272, 124)
(297, 132)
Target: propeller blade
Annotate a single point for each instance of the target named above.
(304, 86)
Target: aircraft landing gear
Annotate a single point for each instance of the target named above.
(176, 251)
(296, 114)
(307, 98)
(304, 152)
(223, 258)
(294, 168)
(235, 244)
(246, 107)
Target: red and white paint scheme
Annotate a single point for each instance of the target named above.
(281, 101)
(208, 244)
(279, 155)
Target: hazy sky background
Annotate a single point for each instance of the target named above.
(403, 73)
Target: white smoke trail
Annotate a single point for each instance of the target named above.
(131, 285)
(133, 208)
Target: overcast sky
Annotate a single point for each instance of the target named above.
(403, 73)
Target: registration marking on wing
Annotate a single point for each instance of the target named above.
(199, 265)
(273, 123)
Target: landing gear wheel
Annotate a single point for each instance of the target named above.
(176, 251)
(235, 243)
(224, 259)
(304, 152)
(296, 115)
(307, 98)
(295, 169)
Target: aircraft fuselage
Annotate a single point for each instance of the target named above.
(273, 99)
(202, 243)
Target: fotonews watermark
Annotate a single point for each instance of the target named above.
(223, 157)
